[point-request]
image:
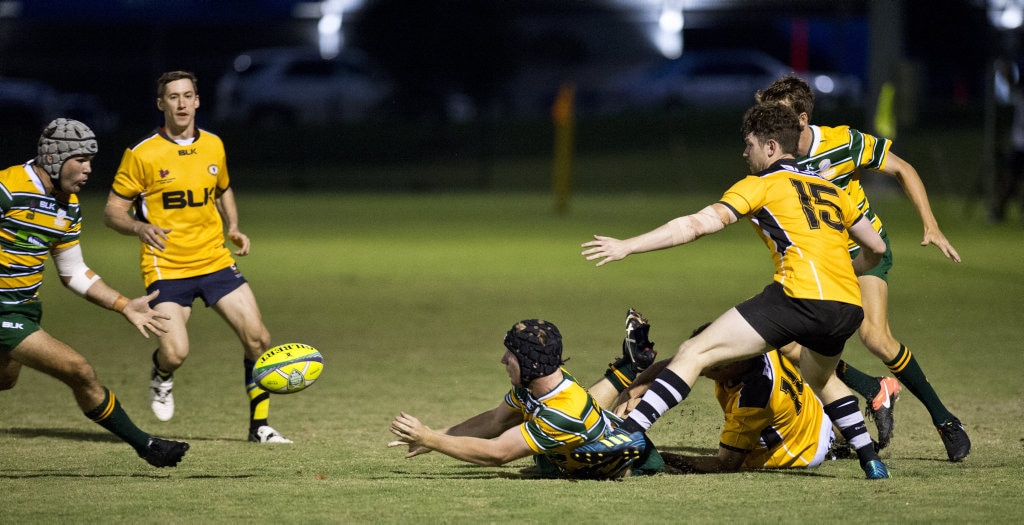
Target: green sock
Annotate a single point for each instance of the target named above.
(112, 417)
(908, 371)
(621, 373)
(861, 383)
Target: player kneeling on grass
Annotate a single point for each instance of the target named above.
(546, 414)
(39, 217)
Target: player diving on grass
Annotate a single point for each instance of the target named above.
(546, 415)
(814, 298)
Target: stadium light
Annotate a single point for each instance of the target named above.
(1006, 15)
(330, 15)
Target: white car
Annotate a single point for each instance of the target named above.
(295, 86)
(723, 79)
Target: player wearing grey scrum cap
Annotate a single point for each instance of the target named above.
(40, 217)
(61, 140)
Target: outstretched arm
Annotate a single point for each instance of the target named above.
(678, 231)
(75, 275)
(490, 439)
(913, 186)
(727, 460)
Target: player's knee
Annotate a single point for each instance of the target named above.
(257, 343)
(880, 342)
(80, 373)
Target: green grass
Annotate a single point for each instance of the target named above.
(408, 297)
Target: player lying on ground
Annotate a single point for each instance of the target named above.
(772, 419)
(546, 414)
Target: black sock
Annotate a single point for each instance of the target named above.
(259, 399)
(157, 371)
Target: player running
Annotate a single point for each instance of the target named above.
(839, 154)
(176, 179)
(40, 217)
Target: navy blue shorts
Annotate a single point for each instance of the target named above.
(820, 326)
(210, 287)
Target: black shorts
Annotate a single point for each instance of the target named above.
(210, 287)
(820, 326)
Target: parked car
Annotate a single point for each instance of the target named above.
(721, 79)
(31, 102)
(287, 86)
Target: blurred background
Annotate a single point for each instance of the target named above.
(309, 95)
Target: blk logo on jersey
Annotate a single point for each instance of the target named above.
(186, 152)
(176, 200)
(12, 325)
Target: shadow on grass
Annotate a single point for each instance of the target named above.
(62, 433)
(98, 436)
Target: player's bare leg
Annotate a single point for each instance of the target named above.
(168, 357)
(241, 311)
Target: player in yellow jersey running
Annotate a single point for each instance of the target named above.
(172, 191)
(839, 154)
(814, 298)
(40, 218)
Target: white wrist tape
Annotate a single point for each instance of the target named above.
(73, 271)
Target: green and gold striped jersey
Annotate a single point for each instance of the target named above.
(176, 186)
(838, 154)
(803, 221)
(33, 223)
(563, 419)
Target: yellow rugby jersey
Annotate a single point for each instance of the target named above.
(32, 223)
(175, 186)
(803, 221)
(839, 154)
(562, 420)
(772, 415)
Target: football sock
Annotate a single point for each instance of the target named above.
(112, 417)
(861, 383)
(908, 371)
(157, 371)
(259, 399)
(667, 391)
(621, 373)
(846, 415)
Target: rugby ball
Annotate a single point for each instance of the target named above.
(288, 368)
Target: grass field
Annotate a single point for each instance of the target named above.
(409, 296)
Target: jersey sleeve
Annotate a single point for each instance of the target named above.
(129, 179)
(745, 196)
(873, 151)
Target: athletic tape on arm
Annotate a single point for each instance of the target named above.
(73, 271)
(690, 227)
